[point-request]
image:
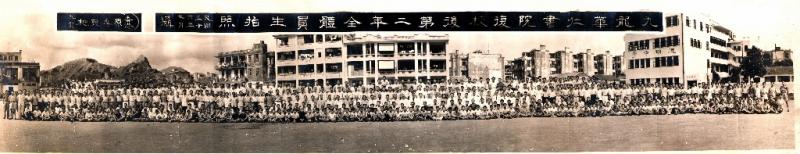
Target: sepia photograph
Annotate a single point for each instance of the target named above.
(413, 76)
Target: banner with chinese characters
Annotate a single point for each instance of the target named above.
(123, 22)
(373, 21)
(417, 21)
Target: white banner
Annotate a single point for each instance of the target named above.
(386, 47)
(386, 64)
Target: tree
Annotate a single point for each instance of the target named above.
(755, 64)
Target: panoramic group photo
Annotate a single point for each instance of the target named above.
(348, 76)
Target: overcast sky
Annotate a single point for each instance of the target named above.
(30, 26)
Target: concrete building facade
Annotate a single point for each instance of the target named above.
(18, 74)
(603, 64)
(477, 65)
(542, 62)
(692, 49)
(254, 64)
(617, 65)
(333, 59)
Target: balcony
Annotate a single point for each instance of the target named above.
(231, 65)
(333, 74)
(437, 70)
(286, 74)
(718, 61)
(333, 57)
(406, 54)
(389, 72)
(357, 73)
(405, 71)
(438, 54)
(355, 56)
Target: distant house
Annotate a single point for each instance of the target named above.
(177, 75)
(779, 74)
(17, 74)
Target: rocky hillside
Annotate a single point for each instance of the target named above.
(85, 69)
(138, 72)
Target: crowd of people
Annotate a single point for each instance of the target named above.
(382, 101)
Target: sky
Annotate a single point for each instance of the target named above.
(30, 26)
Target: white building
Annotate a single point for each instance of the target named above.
(332, 59)
(692, 49)
(603, 64)
(542, 62)
(477, 65)
(16, 74)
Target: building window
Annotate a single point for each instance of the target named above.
(320, 68)
(630, 64)
(669, 61)
(630, 46)
(332, 37)
(333, 52)
(718, 41)
(319, 38)
(308, 38)
(675, 61)
(676, 41)
(672, 21)
(658, 61)
(283, 41)
(641, 63)
(666, 61)
(657, 42)
(701, 26)
(696, 43)
(687, 22)
(665, 42)
(639, 45)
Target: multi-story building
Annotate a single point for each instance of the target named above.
(583, 63)
(254, 64)
(459, 65)
(778, 55)
(617, 65)
(543, 63)
(739, 49)
(603, 64)
(515, 69)
(692, 49)
(561, 63)
(536, 63)
(331, 59)
(17, 74)
(779, 74)
(476, 65)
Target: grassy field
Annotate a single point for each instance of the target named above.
(632, 133)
